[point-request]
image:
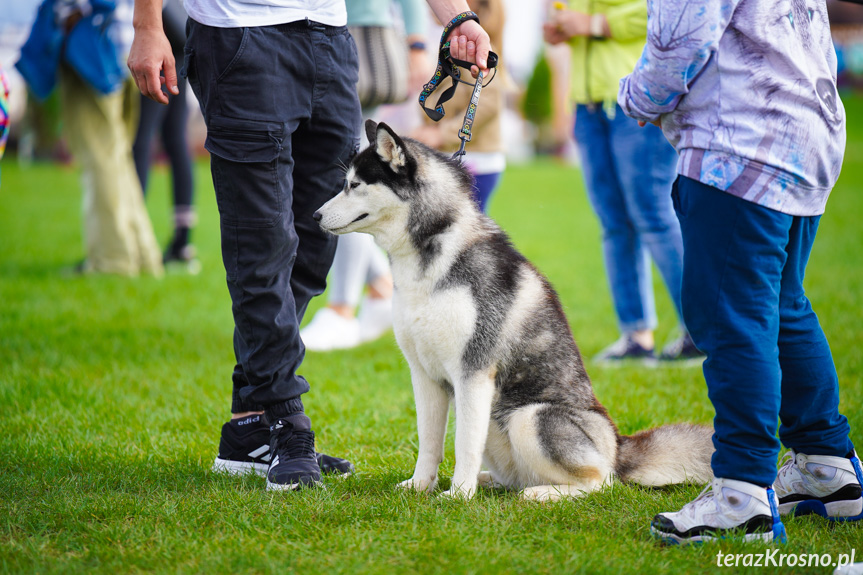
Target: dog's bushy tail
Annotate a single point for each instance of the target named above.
(666, 455)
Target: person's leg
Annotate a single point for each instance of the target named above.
(336, 326)
(350, 265)
(484, 187)
(821, 474)
(811, 422)
(251, 114)
(174, 129)
(626, 262)
(139, 225)
(336, 121)
(734, 255)
(282, 119)
(96, 133)
(151, 114)
(379, 271)
(376, 309)
(349, 271)
(330, 141)
(647, 168)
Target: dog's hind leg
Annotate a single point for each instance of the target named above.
(473, 399)
(432, 404)
(561, 452)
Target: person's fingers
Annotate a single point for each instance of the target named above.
(154, 88)
(483, 47)
(170, 68)
(470, 31)
(149, 56)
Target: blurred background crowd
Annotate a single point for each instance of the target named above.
(536, 118)
(549, 72)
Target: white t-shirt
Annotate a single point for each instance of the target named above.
(246, 13)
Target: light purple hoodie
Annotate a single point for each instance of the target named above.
(746, 90)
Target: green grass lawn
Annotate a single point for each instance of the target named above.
(113, 391)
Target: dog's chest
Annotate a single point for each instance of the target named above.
(433, 326)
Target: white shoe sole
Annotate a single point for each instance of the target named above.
(293, 486)
(836, 510)
(673, 539)
(240, 467)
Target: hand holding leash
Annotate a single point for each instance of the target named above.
(448, 64)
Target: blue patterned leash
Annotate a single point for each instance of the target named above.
(449, 66)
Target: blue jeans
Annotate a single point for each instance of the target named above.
(767, 357)
(628, 172)
(484, 185)
(283, 119)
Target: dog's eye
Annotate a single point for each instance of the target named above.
(354, 185)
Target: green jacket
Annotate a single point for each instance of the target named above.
(598, 64)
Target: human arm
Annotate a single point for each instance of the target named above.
(151, 53)
(624, 22)
(682, 35)
(468, 41)
(419, 64)
(566, 24)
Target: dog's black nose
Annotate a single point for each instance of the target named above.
(317, 216)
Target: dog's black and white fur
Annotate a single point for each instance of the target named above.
(481, 327)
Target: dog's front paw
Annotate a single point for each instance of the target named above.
(416, 484)
(461, 492)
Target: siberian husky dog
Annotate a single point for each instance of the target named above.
(481, 327)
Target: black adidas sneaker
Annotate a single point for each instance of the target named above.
(245, 448)
(294, 462)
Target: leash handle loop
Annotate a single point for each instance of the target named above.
(449, 66)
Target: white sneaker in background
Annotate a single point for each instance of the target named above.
(328, 331)
(852, 569)
(727, 508)
(820, 484)
(375, 317)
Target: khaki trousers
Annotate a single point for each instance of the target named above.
(99, 129)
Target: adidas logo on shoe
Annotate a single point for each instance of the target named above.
(244, 447)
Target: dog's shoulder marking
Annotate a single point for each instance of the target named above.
(492, 270)
(425, 225)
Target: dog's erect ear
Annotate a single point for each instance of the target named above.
(390, 148)
(371, 130)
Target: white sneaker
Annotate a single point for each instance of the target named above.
(726, 508)
(850, 569)
(820, 484)
(375, 317)
(328, 330)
